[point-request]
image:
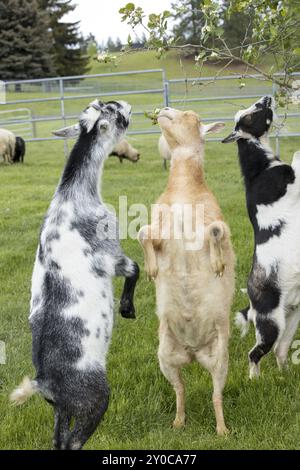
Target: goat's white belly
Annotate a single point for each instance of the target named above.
(283, 254)
(94, 294)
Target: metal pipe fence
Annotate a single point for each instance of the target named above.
(215, 98)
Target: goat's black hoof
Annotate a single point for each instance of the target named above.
(127, 309)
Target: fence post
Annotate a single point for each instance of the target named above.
(33, 124)
(63, 116)
(166, 88)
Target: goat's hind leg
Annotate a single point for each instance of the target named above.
(172, 374)
(130, 270)
(219, 376)
(268, 330)
(282, 347)
(61, 428)
(171, 358)
(217, 365)
(86, 422)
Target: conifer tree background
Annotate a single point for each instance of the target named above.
(69, 47)
(25, 41)
(35, 41)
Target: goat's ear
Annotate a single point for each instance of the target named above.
(68, 132)
(213, 127)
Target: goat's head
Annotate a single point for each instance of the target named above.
(253, 122)
(106, 121)
(184, 128)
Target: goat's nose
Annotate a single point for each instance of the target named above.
(267, 101)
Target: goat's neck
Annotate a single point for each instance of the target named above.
(81, 178)
(255, 156)
(186, 169)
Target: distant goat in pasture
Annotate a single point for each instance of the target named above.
(7, 145)
(19, 150)
(124, 150)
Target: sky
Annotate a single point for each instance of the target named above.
(102, 18)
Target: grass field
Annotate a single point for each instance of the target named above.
(263, 414)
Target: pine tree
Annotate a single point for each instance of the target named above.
(119, 44)
(189, 21)
(110, 45)
(69, 47)
(25, 41)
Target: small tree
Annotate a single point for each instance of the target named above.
(91, 45)
(25, 41)
(274, 32)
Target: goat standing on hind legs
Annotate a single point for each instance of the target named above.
(72, 313)
(273, 202)
(194, 276)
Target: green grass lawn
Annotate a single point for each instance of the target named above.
(263, 414)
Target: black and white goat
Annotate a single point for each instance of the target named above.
(273, 202)
(72, 297)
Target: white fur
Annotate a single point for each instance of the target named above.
(241, 324)
(24, 391)
(7, 145)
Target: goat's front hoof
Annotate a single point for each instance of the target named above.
(127, 309)
(254, 371)
(151, 272)
(219, 269)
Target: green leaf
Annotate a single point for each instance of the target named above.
(130, 6)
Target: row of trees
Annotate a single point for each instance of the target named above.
(263, 36)
(189, 20)
(35, 41)
(117, 45)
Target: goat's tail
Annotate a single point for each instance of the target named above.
(217, 234)
(24, 391)
(242, 320)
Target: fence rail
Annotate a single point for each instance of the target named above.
(216, 97)
(19, 121)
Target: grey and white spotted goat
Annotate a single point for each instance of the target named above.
(72, 297)
(273, 202)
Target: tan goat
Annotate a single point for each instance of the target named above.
(194, 283)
